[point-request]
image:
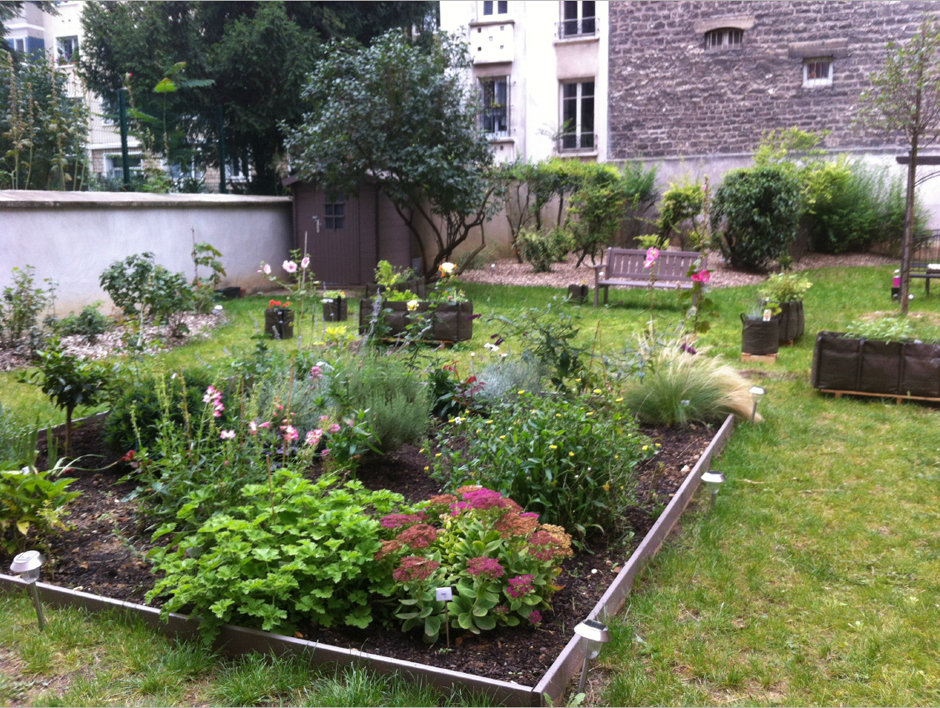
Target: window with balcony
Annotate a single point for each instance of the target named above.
(66, 50)
(500, 6)
(724, 38)
(577, 116)
(578, 19)
(495, 116)
(817, 72)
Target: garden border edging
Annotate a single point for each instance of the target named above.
(550, 689)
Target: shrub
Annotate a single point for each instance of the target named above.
(501, 560)
(396, 399)
(785, 287)
(295, 550)
(89, 323)
(680, 387)
(21, 304)
(502, 378)
(137, 285)
(755, 215)
(31, 500)
(681, 205)
(893, 328)
(542, 249)
(571, 462)
(451, 394)
(17, 442)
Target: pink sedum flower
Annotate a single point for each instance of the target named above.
(316, 373)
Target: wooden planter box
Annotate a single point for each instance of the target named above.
(578, 293)
(279, 323)
(452, 322)
(335, 309)
(758, 337)
(893, 369)
(790, 321)
(415, 285)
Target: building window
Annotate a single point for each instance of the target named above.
(724, 38)
(335, 212)
(495, 117)
(577, 19)
(501, 7)
(113, 165)
(19, 45)
(66, 50)
(577, 116)
(817, 72)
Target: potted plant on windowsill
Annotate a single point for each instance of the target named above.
(446, 312)
(279, 320)
(783, 292)
(335, 307)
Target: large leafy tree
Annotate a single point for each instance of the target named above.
(905, 100)
(249, 58)
(405, 118)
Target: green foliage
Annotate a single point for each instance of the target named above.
(388, 276)
(891, 329)
(450, 393)
(68, 381)
(679, 388)
(504, 376)
(17, 442)
(206, 255)
(755, 216)
(409, 123)
(571, 461)
(21, 304)
(544, 249)
(31, 500)
(89, 323)
(785, 287)
(396, 399)
(502, 562)
(42, 130)
(293, 550)
(137, 285)
(682, 203)
(547, 336)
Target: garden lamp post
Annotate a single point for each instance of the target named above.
(713, 481)
(596, 635)
(757, 392)
(28, 566)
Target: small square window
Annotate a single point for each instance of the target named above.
(724, 38)
(19, 45)
(334, 212)
(501, 7)
(817, 72)
(66, 50)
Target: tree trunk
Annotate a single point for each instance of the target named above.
(68, 432)
(909, 211)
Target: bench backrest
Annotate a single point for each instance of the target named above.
(628, 263)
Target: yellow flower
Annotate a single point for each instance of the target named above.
(502, 437)
(447, 268)
(488, 422)
(570, 454)
(438, 455)
(421, 450)
(426, 469)
(521, 391)
(619, 400)
(589, 413)
(597, 390)
(645, 448)
(552, 447)
(558, 415)
(607, 487)
(577, 380)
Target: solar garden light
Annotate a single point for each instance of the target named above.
(757, 392)
(713, 481)
(28, 565)
(596, 636)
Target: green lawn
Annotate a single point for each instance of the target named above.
(812, 581)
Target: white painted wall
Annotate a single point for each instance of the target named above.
(73, 236)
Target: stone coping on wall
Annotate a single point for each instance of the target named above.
(42, 199)
(550, 690)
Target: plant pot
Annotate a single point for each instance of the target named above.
(836, 362)
(758, 337)
(451, 321)
(415, 285)
(335, 309)
(230, 293)
(279, 323)
(790, 321)
(880, 367)
(578, 293)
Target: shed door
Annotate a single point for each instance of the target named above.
(331, 223)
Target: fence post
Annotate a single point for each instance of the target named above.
(222, 188)
(125, 155)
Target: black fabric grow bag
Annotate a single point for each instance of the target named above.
(790, 321)
(452, 321)
(836, 362)
(759, 337)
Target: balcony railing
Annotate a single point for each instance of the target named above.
(568, 142)
(569, 29)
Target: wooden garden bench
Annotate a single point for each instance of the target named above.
(926, 271)
(623, 267)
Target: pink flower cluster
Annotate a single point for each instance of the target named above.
(703, 276)
(414, 568)
(290, 433)
(227, 435)
(316, 373)
(418, 537)
(482, 499)
(397, 521)
(313, 437)
(520, 586)
(215, 398)
(485, 567)
(535, 617)
(651, 255)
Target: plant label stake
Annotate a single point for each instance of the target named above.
(445, 595)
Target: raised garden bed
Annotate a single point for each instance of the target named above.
(520, 667)
(451, 321)
(900, 370)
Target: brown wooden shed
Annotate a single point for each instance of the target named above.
(347, 235)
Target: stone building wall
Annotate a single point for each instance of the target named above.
(670, 96)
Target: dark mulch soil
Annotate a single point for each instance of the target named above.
(102, 554)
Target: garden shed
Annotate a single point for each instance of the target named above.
(347, 235)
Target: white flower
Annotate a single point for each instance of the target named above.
(228, 435)
(289, 266)
(492, 347)
(267, 269)
(447, 268)
(305, 262)
(412, 305)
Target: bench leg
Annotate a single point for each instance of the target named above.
(596, 292)
(606, 293)
(927, 286)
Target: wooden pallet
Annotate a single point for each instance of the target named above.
(769, 358)
(896, 397)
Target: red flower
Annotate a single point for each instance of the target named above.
(129, 456)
